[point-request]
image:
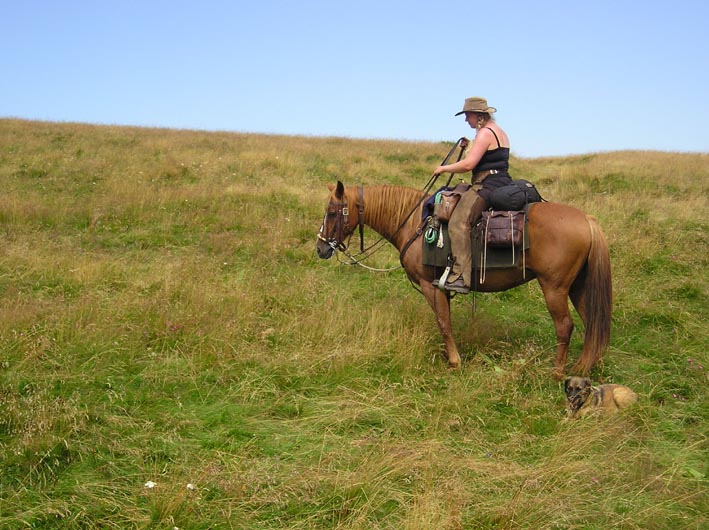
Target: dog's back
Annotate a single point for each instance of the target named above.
(621, 395)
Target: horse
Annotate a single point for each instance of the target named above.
(568, 255)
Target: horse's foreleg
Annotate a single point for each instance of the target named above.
(558, 306)
(441, 305)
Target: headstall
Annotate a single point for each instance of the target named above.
(342, 212)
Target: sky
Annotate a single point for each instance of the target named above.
(567, 77)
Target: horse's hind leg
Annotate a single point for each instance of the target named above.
(577, 293)
(558, 306)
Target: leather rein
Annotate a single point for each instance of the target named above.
(341, 211)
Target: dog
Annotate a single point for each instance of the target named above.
(582, 398)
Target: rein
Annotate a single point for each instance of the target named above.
(360, 189)
(343, 220)
(419, 230)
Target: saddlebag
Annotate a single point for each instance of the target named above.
(503, 229)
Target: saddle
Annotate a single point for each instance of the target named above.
(497, 239)
(436, 212)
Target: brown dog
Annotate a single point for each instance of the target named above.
(582, 398)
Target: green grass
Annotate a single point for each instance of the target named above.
(164, 318)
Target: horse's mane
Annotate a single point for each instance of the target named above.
(387, 207)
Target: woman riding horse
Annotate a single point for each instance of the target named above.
(488, 159)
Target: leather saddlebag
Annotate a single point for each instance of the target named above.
(447, 200)
(503, 229)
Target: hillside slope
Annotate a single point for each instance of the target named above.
(173, 353)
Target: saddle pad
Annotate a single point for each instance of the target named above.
(432, 254)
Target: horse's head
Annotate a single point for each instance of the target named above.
(338, 225)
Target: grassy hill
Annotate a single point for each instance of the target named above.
(164, 322)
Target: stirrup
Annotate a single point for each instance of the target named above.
(457, 286)
(444, 277)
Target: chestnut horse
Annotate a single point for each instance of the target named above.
(568, 255)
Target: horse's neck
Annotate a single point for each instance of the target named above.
(392, 211)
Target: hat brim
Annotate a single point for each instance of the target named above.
(489, 110)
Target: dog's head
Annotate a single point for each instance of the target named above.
(577, 389)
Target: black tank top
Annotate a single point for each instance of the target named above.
(498, 158)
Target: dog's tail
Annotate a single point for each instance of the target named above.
(593, 298)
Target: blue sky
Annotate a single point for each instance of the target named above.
(567, 77)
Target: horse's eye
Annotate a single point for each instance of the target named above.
(331, 214)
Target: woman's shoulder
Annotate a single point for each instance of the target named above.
(494, 133)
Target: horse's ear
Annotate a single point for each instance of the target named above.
(331, 187)
(340, 192)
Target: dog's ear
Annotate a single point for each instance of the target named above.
(566, 384)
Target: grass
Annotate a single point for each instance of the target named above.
(164, 319)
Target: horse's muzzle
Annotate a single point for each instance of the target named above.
(325, 251)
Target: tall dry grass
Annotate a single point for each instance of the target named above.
(163, 318)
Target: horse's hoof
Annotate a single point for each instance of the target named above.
(454, 366)
(557, 374)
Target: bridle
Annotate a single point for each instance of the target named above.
(340, 233)
(341, 212)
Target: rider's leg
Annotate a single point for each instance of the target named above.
(467, 212)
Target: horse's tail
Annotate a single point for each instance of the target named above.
(597, 300)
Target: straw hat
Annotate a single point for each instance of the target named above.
(475, 104)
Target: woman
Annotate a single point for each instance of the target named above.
(488, 158)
